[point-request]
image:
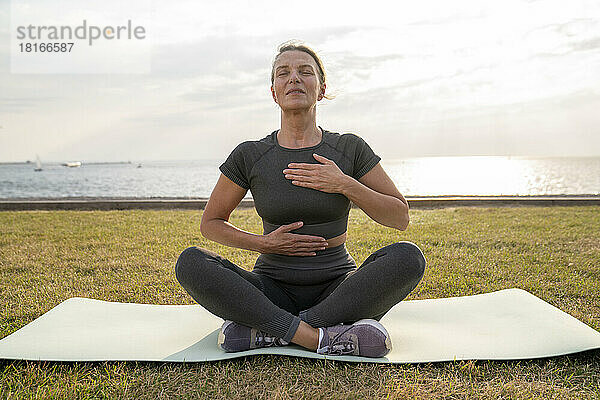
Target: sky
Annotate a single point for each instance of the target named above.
(414, 79)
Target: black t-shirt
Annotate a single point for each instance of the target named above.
(258, 165)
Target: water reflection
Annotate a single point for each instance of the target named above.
(483, 175)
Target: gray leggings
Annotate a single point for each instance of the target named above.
(322, 290)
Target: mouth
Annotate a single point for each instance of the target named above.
(295, 91)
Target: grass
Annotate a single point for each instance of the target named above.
(47, 257)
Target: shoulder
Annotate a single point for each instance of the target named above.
(244, 147)
(336, 138)
(353, 138)
(241, 160)
(253, 148)
(348, 142)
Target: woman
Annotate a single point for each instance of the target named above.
(305, 287)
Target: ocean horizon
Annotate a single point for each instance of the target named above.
(415, 176)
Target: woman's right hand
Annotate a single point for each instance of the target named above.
(281, 241)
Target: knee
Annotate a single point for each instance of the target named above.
(412, 257)
(190, 259)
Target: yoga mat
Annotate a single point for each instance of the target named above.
(504, 325)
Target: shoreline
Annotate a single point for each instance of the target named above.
(195, 203)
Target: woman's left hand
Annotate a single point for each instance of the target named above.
(326, 177)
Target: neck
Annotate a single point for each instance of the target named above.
(299, 129)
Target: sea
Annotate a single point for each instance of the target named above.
(420, 176)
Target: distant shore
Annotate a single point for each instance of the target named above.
(422, 202)
(29, 162)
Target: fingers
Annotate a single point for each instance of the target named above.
(320, 158)
(290, 227)
(298, 244)
(304, 252)
(304, 166)
(310, 239)
(308, 246)
(298, 172)
(302, 238)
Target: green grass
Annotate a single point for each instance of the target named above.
(129, 256)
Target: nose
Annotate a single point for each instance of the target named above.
(294, 77)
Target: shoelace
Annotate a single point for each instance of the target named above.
(339, 347)
(264, 340)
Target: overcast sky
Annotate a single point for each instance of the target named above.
(418, 78)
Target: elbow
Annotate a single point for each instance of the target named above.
(404, 223)
(404, 217)
(204, 231)
(208, 227)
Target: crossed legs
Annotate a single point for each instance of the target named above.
(385, 278)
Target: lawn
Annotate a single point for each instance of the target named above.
(129, 256)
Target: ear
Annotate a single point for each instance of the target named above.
(273, 94)
(322, 92)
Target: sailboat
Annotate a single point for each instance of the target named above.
(38, 163)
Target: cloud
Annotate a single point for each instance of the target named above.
(168, 119)
(361, 67)
(234, 71)
(565, 38)
(214, 83)
(210, 56)
(395, 127)
(317, 37)
(21, 104)
(393, 91)
(584, 45)
(235, 92)
(225, 55)
(575, 27)
(456, 18)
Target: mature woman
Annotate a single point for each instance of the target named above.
(305, 287)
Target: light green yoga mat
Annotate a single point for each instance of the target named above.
(505, 325)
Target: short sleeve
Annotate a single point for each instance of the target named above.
(235, 167)
(364, 158)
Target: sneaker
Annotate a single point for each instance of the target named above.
(238, 337)
(367, 338)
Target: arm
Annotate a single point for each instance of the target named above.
(215, 225)
(376, 194)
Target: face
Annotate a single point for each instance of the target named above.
(296, 83)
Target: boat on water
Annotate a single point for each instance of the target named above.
(72, 164)
(38, 164)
